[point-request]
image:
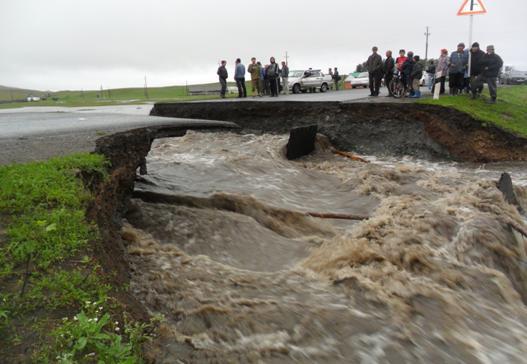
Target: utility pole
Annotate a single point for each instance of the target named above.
(427, 34)
(286, 58)
(146, 89)
(470, 30)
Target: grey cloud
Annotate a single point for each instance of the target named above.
(80, 44)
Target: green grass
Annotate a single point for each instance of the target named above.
(123, 96)
(510, 112)
(48, 270)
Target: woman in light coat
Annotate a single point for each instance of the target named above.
(442, 70)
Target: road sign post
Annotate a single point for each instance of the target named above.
(470, 27)
(471, 7)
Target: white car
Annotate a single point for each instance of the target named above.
(355, 80)
(305, 80)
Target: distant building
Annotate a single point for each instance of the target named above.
(33, 98)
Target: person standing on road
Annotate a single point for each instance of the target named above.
(388, 67)
(262, 78)
(239, 77)
(336, 78)
(441, 71)
(406, 70)
(475, 69)
(254, 70)
(400, 60)
(431, 73)
(416, 75)
(491, 65)
(374, 66)
(285, 77)
(223, 75)
(273, 76)
(458, 64)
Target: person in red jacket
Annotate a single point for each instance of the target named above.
(400, 60)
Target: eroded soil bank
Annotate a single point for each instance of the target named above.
(423, 131)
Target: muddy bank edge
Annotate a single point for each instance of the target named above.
(388, 129)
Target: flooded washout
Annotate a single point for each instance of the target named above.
(254, 258)
(248, 165)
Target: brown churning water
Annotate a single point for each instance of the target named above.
(227, 252)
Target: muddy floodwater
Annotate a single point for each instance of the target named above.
(408, 260)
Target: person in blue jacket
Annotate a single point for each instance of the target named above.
(239, 77)
(457, 68)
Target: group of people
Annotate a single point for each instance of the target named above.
(484, 68)
(265, 80)
(407, 66)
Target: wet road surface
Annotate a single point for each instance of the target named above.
(41, 133)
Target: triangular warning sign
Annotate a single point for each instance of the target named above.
(471, 7)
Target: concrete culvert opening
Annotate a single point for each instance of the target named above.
(249, 257)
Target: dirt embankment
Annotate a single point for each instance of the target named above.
(424, 131)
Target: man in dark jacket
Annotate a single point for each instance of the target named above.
(336, 78)
(490, 69)
(475, 68)
(284, 73)
(374, 66)
(223, 75)
(389, 64)
(416, 75)
(407, 68)
(273, 76)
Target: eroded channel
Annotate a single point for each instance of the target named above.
(223, 243)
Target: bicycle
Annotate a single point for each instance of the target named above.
(397, 86)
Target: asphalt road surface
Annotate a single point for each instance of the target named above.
(36, 133)
(39, 133)
(342, 96)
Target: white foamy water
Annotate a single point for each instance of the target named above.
(229, 254)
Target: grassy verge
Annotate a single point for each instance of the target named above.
(509, 113)
(55, 301)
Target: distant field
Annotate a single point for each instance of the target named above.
(107, 97)
(10, 93)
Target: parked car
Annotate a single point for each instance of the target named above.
(426, 79)
(305, 80)
(355, 80)
(512, 76)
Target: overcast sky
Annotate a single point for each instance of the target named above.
(74, 44)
